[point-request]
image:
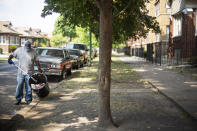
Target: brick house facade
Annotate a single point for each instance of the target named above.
(8, 36)
(183, 30)
(13, 37)
(160, 10)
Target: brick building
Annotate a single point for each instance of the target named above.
(13, 37)
(183, 29)
(161, 10)
(8, 36)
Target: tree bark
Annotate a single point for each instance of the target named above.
(105, 118)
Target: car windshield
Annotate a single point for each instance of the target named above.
(78, 46)
(39, 51)
(74, 52)
(51, 52)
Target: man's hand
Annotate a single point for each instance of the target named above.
(10, 59)
(10, 62)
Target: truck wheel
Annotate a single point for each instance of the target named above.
(69, 72)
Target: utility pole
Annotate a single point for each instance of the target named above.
(90, 47)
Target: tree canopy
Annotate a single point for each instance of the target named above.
(130, 17)
(63, 34)
(64, 30)
(83, 36)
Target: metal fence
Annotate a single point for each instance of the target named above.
(157, 53)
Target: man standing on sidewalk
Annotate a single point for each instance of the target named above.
(26, 58)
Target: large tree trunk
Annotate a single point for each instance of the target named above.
(105, 118)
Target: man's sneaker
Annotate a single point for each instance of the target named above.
(17, 103)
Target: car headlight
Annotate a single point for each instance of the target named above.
(55, 66)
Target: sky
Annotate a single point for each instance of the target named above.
(27, 13)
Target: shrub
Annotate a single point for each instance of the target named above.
(145, 53)
(13, 48)
(1, 51)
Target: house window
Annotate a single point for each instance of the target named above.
(157, 37)
(167, 32)
(2, 39)
(17, 40)
(177, 26)
(22, 41)
(12, 40)
(157, 9)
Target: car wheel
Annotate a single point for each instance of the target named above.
(81, 64)
(78, 65)
(69, 73)
(73, 66)
(63, 74)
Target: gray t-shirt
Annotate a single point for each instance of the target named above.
(25, 60)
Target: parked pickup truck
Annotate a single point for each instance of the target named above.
(55, 61)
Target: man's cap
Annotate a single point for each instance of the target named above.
(28, 44)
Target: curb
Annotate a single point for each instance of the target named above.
(183, 111)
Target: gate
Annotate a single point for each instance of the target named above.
(149, 55)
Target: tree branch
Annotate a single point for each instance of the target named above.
(98, 3)
(123, 9)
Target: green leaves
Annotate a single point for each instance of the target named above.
(130, 17)
(58, 40)
(65, 30)
(83, 36)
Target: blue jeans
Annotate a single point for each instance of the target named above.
(21, 80)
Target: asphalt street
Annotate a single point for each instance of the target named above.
(7, 88)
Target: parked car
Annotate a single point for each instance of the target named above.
(55, 61)
(77, 57)
(79, 46)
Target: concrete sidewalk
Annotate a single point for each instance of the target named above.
(181, 90)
